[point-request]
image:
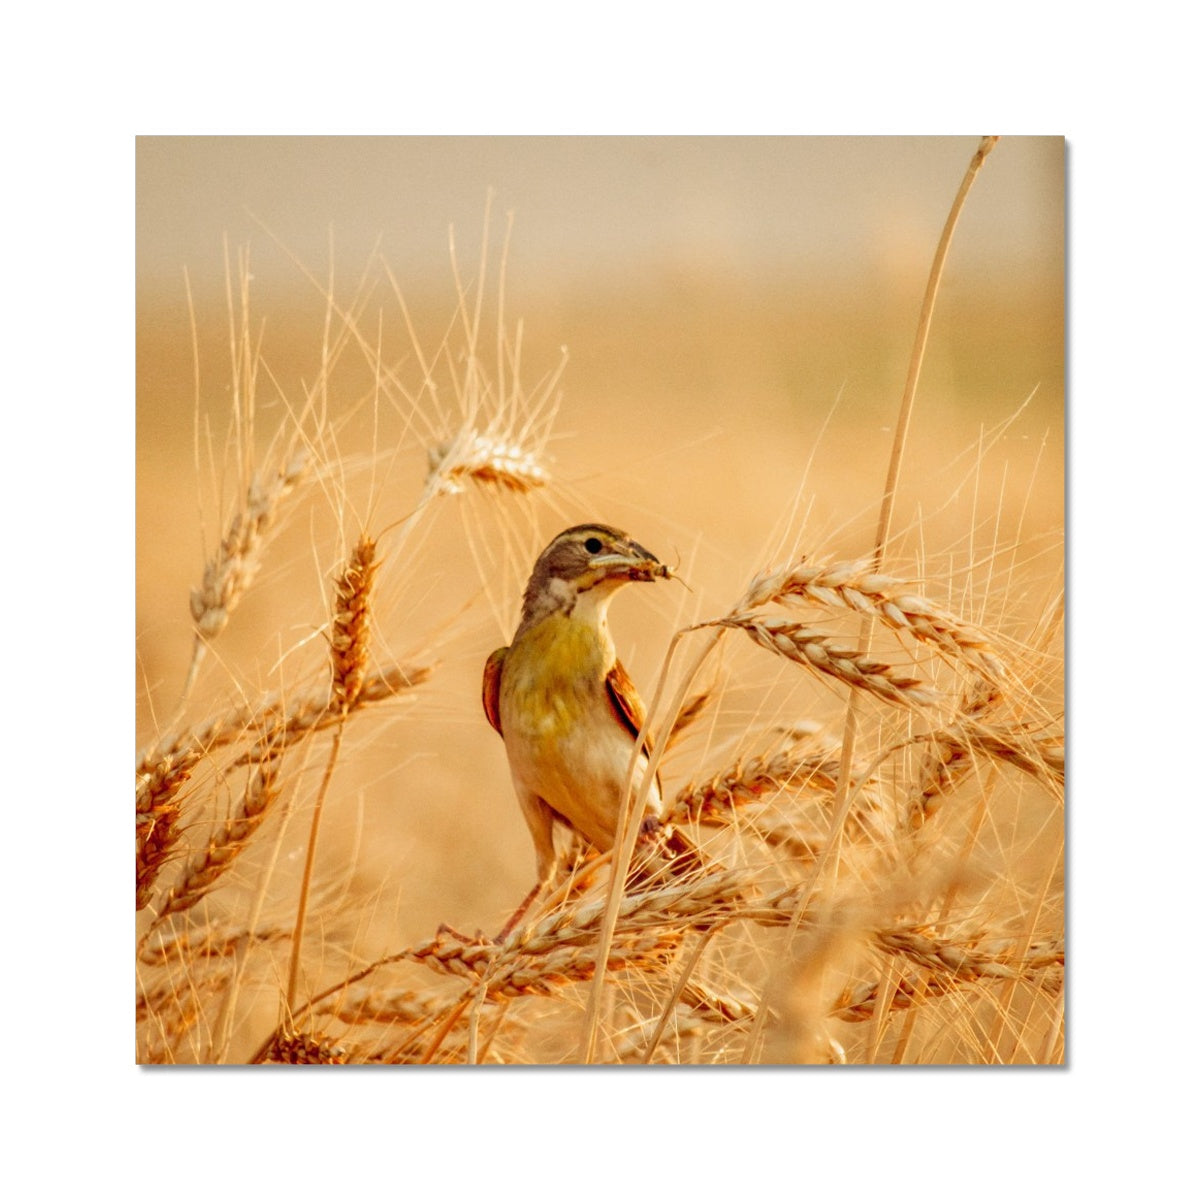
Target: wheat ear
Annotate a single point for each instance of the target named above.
(206, 870)
(747, 781)
(818, 652)
(233, 567)
(158, 783)
(486, 459)
(306, 1049)
(856, 587)
(951, 966)
(349, 640)
(884, 525)
(275, 720)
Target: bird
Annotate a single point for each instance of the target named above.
(566, 708)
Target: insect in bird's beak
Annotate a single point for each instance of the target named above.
(638, 565)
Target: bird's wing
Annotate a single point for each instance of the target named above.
(626, 704)
(491, 687)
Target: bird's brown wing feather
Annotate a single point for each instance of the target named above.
(626, 703)
(491, 687)
(682, 853)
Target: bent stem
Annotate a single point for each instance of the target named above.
(306, 880)
(918, 352)
(845, 794)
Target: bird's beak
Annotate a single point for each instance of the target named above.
(636, 564)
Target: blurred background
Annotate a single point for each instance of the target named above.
(737, 316)
(597, 214)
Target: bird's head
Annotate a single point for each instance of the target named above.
(588, 563)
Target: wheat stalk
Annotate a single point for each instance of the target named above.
(483, 999)
(351, 630)
(564, 942)
(944, 765)
(844, 796)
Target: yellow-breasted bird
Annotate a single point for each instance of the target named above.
(565, 706)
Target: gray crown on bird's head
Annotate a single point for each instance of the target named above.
(584, 557)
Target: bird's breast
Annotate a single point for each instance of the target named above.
(553, 677)
(564, 743)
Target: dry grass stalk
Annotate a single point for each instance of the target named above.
(352, 624)
(856, 587)
(231, 570)
(171, 1009)
(818, 652)
(351, 630)
(487, 459)
(205, 871)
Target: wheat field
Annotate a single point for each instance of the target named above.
(341, 492)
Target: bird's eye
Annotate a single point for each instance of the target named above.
(593, 545)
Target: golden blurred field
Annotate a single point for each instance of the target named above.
(734, 417)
